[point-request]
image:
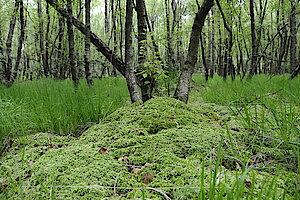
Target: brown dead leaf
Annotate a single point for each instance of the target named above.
(103, 150)
(248, 182)
(136, 171)
(124, 159)
(115, 137)
(51, 145)
(147, 178)
(30, 162)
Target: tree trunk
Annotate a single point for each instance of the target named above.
(87, 49)
(182, 89)
(2, 58)
(116, 61)
(228, 63)
(72, 62)
(14, 74)
(145, 80)
(9, 62)
(129, 58)
(41, 36)
(47, 40)
(169, 50)
(253, 65)
(293, 31)
(213, 45)
(60, 58)
(106, 17)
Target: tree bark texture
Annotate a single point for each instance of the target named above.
(9, 62)
(253, 65)
(41, 37)
(72, 62)
(129, 58)
(14, 74)
(87, 48)
(293, 32)
(145, 81)
(182, 89)
(95, 40)
(116, 61)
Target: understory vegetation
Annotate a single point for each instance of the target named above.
(234, 140)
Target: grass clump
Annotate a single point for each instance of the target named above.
(57, 107)
(184, 150)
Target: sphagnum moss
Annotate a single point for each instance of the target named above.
(174, 142)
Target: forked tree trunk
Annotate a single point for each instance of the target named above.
(116, 61)
(87, 48)
(187, 71)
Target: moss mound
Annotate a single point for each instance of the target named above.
(162, 143)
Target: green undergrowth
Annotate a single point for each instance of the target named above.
(157, 150)
(57, 107)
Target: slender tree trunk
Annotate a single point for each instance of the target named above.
(145, 80)
(253, 65)
(14, 74)
(129, 58)
(95, 40)
(182, 89)
(60, 58)
(106, 17)
(228, 65)
(2, 57)
(41, 36)
(88, 73)
(47, 42)
(169, 50)
(206, 71)
(213, 45)
(72, 62)
(9, 62)
(293, 31)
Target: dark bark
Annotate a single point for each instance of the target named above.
(60, 52)
(129, 58)
(145, 80)
(95, 40)
(228, 63)
(116, 61)
(87, 48)
(106, 17)
(206, 71)
(14, 74)
(9, 62)
(213, 45)
(41, 37)
(169, 49)
(187, 71)
(293, 32)
(2, 57)
(72, 62)
(253, 65)
(47, 42)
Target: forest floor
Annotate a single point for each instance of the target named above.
(246, 147)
